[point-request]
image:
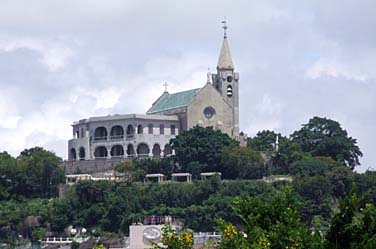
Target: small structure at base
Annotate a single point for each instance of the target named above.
(207, 175)
(154, 177)
(177, 177)
(277, 178)
(74, 178)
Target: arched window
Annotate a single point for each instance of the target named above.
(117, 151)
(229, 91)
(130, 150)
(143, 149)
(73, 154)
(156, 150)
(130, 131)
(82, 153)
(100, 133)
(167, 150)
(76, 134)
(100, 152)
(139, 129)
(117, 132)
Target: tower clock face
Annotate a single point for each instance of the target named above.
(152, 233)
(230, 78)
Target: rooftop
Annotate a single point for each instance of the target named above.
(172, 101)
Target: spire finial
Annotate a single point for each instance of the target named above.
(165, 85)
(224, 22)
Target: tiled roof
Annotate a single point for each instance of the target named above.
(171, 101)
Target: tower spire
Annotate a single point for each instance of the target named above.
(225, 60)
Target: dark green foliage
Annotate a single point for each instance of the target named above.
(354, 227)
(264, 141)
(202, 145)
(35, 173)
(325, 137)
(242, 163)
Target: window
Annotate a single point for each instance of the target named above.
(139, 129)
(150, 128)
(173, 130)
(161, 129)
(100, 133)
(82, 132)
(73, 154)
(209, 112)
(82, 153)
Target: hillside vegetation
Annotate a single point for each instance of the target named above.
(327, 205)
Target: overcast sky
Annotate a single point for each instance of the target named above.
(62, 61)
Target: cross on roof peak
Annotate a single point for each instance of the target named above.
(225, 27)
(165, 85)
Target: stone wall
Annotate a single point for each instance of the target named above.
(91, 166)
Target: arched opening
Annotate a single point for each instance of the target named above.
(76, 134)
(117, 151)
(100, 133)
(130, 150)
(167, 150)
(82, 153)
(140, 129)
(229, 91)
(130, 131)
(73, 154)
(156, 150)
(117, 132)
(143, 149)
(100, 152)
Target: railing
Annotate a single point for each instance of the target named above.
(59, 240)
(100, 138)
(130, 136)
(117, 137)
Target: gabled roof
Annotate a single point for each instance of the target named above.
(172, 101)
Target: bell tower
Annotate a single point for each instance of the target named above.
(226, 81)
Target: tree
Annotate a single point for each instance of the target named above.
(354, 226)
(173, 240)
(273, 223)
(279, 159)
(264, 141)
(203, 145)
(42, 172)
(242, 163)
(325, 137)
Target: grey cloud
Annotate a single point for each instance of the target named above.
(296, 59)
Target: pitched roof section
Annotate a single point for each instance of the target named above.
(225, 60)
(171, 101)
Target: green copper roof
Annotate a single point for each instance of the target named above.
(171, 101)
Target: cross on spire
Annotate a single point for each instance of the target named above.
(224, 22)
(165, 85)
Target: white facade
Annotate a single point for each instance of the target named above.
(122, 136)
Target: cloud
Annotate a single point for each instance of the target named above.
(68, 60)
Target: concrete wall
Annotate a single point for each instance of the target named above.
(90, 166)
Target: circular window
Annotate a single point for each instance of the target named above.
(209, 112)
(229, 78)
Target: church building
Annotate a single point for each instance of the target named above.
(215, 104)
